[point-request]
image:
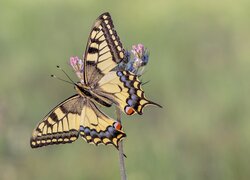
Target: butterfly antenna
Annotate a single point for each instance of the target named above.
(54, 76)
(66, 74)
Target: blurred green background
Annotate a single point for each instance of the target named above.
(198, 71)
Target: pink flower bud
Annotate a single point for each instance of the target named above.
(73, 61)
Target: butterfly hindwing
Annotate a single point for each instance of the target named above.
(104, 50)
(123, 88)
(98, 128)
(61, 125)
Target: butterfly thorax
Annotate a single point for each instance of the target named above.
(87, 92)
(83, 90)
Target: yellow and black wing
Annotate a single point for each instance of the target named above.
(97, 127)
(104, 50)
(73, 117)
(123, 88)
(103, 53)
(59, 126)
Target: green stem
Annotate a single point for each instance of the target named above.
(121, 154)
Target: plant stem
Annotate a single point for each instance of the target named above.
(121, 154)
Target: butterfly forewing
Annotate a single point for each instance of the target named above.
(61, 125)
(104, 50)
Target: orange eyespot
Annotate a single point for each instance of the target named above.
(118, 126)
(129, 110)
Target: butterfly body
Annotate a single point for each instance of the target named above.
(100, 83)
(86, 92)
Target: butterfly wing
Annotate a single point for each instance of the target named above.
(123, 88)
(59, 126)
(104, 50)
(74, 116)
(98, 128)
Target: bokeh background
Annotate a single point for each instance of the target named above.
(198, 71)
